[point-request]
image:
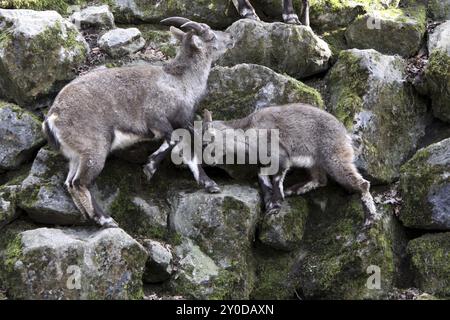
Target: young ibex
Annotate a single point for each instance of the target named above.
(246, 10)
(114, 108)
(308, 138)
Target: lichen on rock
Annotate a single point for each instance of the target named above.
(60, 263)
(425, 188)
(430, 262)
(269, 44)
(392, 31)
(386, 117)
(235, 92)
(39, 50)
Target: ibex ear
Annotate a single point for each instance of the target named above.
(195, 41)
(207, 116)
(177, 33)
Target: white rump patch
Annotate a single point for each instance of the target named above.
(302, 162)
(124, 139)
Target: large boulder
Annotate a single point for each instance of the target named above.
(216, 13)
(430, 263)
(369, 94)
(235, 92)
(393, 31)
(437, 72)
(338, 258)
(285, 48)
(71, 264)
(20, 136)
(93, 17)
(223, 226)
(38, 53)
(425, 188)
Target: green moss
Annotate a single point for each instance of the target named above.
(336, 40)
(59, 5)
(225, 285)
(334, 262)
(439, 64)
(350, 91)
(417, 178)
(13, 253)
(430, 261)
(274, 275)
(438, 81)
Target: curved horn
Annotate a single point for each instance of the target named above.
(176, 21)
(197, 27)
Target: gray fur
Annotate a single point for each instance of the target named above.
(115, 107)
(309, 138)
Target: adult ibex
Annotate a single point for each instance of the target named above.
(309, 138)
(113, 108)
(289, 16)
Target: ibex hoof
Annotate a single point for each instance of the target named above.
(213, 189)
(251, 16)
(108, 223)
(291, 19)
(149, 171)
(273, 208)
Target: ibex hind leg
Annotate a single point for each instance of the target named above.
(348, 176)
(89, 167)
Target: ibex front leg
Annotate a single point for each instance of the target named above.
(165, 129)
(289, 15)
(245, 9)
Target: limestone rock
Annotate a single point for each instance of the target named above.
(277, 46)
(38, 52)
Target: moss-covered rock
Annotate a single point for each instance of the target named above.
(438, 9)
(437, 72)
(38, 52)
(277, 46)
(121, 190)
(339, 256)
(392, 31)
(369, 94)
(430, 262)
(336, 41)
(62, 6)
(284, 231)
(216, 13)
(223, 226)
(72, 264)
(20, 136)
(99, 17)
(425, 188)
(275, 274)
(43, 195)
(235, 92)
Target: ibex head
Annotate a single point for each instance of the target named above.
(200, 37)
